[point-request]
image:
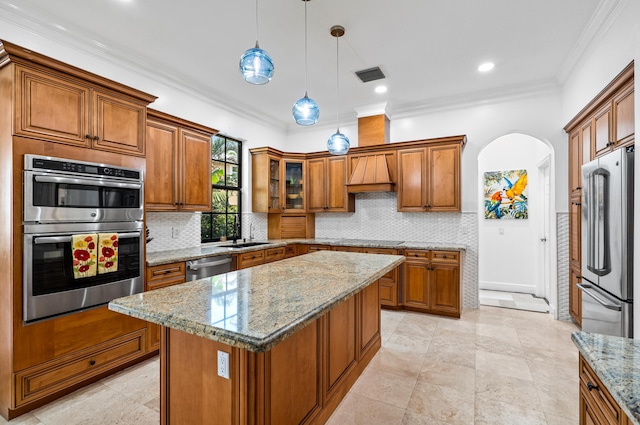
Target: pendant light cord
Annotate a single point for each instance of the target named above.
(306, 61)
(338, 83)
(256, 23)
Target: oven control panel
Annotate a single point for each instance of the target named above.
(34, 162)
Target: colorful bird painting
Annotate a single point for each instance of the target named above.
(494, 204)
(506, 194)
(516, 189)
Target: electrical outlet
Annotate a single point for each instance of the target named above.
(464, 230)
(175, 232)
(501, 231)
(223, 364)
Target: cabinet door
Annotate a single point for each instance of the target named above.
(118, 124)
(337, 197)
(340, 344)
(412, 180)
(415, 291)
(587, 146)
(389, 285)
(293, 197)
(623, 116)
(160, 190)
(602, 132)
(195, 181)
(575, 231)
(575, 160)
(588, 415)
(369, 318)
(443, 178)
(52, 109)
(444, 284)
(575, 295)
(317, 185)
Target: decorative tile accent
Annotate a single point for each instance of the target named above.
(562, 229)
(377, 218)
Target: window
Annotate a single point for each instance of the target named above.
(226, 185)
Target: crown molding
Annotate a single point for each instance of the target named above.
(605, 14)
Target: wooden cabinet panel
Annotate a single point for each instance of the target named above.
(587, 146)
(575, 161)
(274, 254)
(602, 131)
(596, 396)
(293, 197)
(412, 180)
(52, 108)
(294, 374)
(178, 172)
(388, 294)
(290, 251)
(250, 259)
(195, 182)
(624, 116)
(340, 341)
(443, 178)
(369, 315)
(588, 414)
(265, 182)
(445, 287)
(47, 378)
(575, 231)
(347, 248)
(316, 187)
(160, 192)
(327, 190)
(575, 295)
(160, 277)
(416, 291)
(119, 124)
(390, 282)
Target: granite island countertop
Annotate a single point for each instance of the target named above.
(616, 361)
(257, 308)
(158, 258)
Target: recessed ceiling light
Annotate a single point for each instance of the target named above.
(60, 27)
(13, 6)
(487, 66)
(381, 89)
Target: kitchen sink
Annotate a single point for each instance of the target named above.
(243, 244)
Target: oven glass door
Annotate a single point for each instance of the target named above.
(52, 264)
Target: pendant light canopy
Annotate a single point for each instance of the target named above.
(338, 143)
(256, 65)
(305, 110)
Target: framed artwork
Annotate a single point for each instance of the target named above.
(505, 194)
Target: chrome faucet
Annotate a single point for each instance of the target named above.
(250, 231)
(236, 230)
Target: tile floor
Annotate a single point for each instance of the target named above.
(493, 366)
(513, 300)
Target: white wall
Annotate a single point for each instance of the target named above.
(508, 249)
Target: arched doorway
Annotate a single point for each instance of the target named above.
(517, 254)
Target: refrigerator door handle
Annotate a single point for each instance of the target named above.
(585, 289)
(598, 223)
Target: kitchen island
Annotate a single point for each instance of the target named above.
(297, 332)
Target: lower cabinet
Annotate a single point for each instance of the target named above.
(160, 277)
(389, 283)
(50, 377)
(597, 406)
(575, 295)
(432, 282)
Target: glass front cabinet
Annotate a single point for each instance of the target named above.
(293, 196)
(274, 185)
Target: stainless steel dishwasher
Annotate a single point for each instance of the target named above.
(208, 266)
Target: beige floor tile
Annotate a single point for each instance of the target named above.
(458, 325)
(515, 367)
(154, 404)
(559, 420)
(460, 378)
(413, 418)
(416, 324)
(506, 333)
(26, 419)
(456, 355)
(518, 392)
(561, 356)
(436, 404)
(408, 343)
(544, 373)
(500, 346)
(385, 386)
(453, 340)
(493, 412)
(398, 362)
(359, 410)
(140, 383)
(561, 398)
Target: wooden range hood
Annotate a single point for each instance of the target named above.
(375, 171)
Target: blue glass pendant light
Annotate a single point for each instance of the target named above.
(305, 110)
(256, 65)
(338, 143)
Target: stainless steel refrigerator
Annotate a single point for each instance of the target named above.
(607, 244)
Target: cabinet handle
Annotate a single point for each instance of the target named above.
(444, 256)
(96, 137)
(87, 136)
(591, 386)
(92, 362)
(415, 255)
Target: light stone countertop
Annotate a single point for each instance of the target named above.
(256, 308)
(616, 361)
(214, 249)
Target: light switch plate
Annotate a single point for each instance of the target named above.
(223, 364)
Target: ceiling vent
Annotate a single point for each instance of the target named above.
(370, 74)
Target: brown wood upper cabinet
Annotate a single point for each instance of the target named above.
(429, 178)
(56, 107)
(327, 191)
(178, 174)
(266, 175)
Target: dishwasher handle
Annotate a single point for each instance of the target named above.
(192, 266)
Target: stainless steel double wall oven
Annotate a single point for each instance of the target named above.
(63, 198)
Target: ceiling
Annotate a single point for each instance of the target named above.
(429, 50)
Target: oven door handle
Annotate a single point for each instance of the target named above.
(70, 180)
(61, 239)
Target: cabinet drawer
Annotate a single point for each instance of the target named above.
(47, 378)
(290, 251)
(165, 275)
(414, 253)
(249, 259)
(441, 256)
(603, 400)
(274, 254)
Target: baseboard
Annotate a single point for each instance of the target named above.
(507, 287)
